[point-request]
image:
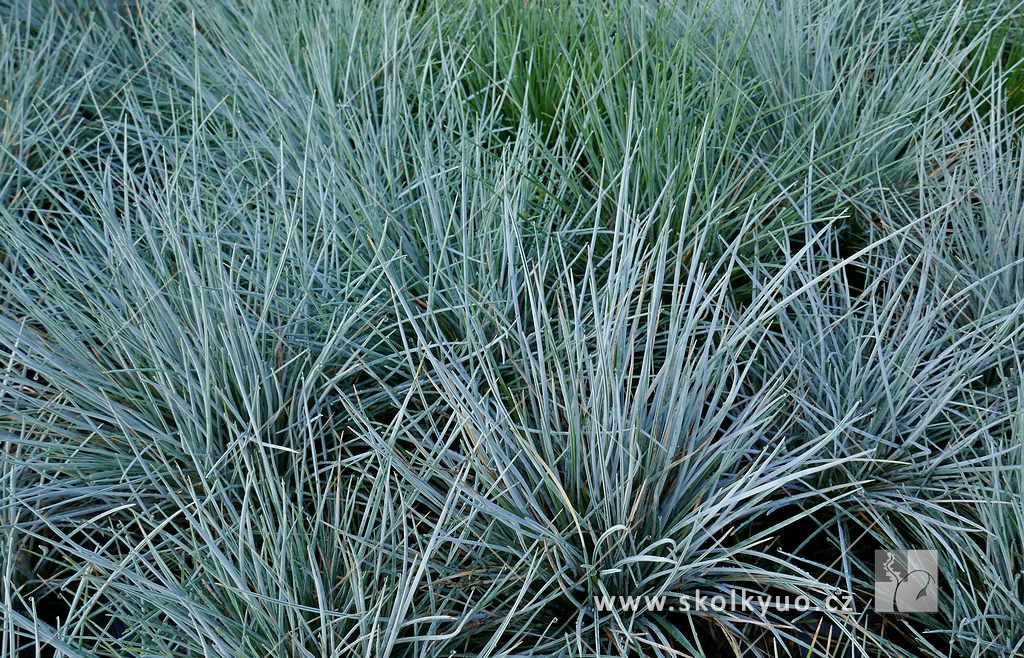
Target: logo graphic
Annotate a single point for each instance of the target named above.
(906, 581)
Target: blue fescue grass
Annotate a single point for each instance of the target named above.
(408, 329)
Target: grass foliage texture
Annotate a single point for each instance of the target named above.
(406, 329)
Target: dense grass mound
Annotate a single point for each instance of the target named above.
(415, 329)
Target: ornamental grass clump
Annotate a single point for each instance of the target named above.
(431, 329)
